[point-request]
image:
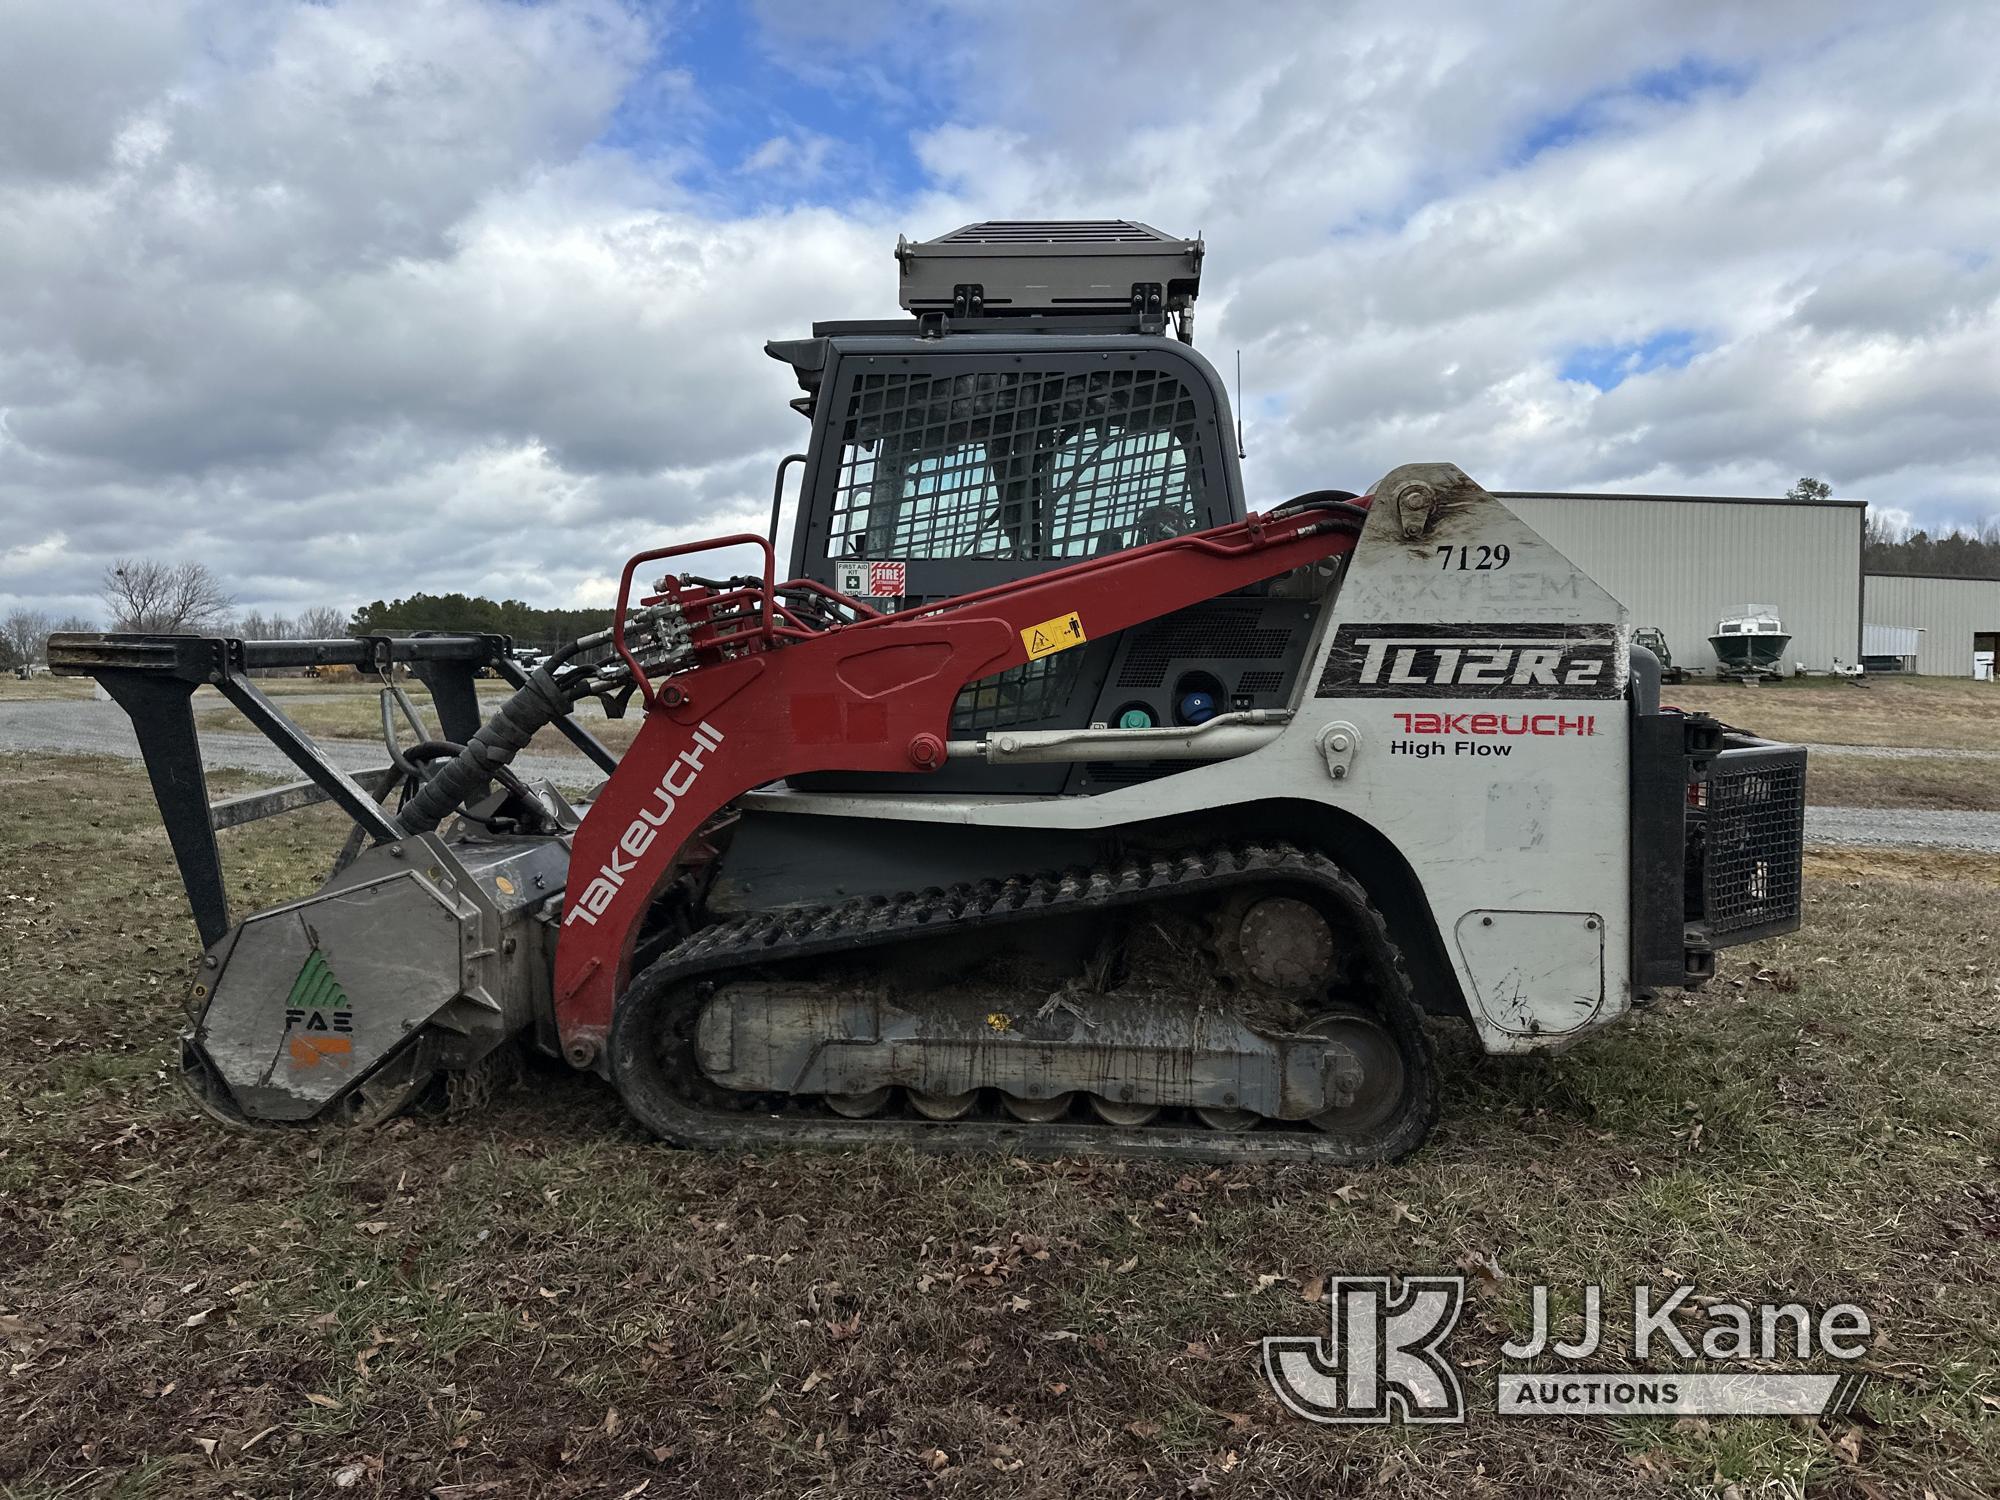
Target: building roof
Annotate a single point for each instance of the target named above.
(1680, 499)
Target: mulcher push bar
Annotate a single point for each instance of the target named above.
(153, 678)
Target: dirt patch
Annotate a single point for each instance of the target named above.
(535, 1300)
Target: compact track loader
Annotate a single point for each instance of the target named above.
(1057, 803)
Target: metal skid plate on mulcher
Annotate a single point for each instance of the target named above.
(402, 964)
(311, 997)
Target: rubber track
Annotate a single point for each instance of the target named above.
(764, 938)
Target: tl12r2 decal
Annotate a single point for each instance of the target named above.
(1537, 660)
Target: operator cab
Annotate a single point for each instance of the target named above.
(1044, 404)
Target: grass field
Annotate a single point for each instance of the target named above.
(1950, 784)
(353, 711)
(1945, 713)
(534, 1300)
(41, 689)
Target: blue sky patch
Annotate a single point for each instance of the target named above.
(755, 120)
(1598, 111)
(1607, 366)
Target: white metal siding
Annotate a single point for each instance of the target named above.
(1683, 562)
(1890, 640)
(1949, 611)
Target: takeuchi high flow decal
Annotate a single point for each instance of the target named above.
(675, 783)
(1536, 660)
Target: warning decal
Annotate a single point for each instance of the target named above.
(1052, 636)
(885, 579)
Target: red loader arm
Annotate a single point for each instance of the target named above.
(875, 695)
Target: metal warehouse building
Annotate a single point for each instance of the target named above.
(1959, 619)
(1682, 562)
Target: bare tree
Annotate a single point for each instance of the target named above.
(27, 631)
(322, 623)
(164, 598)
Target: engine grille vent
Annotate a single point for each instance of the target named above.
(1210, 633)
(1260, 682)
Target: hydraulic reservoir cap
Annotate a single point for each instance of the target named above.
(1197, 708)
(1136, 717)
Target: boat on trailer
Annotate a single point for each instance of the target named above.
(1751, 642)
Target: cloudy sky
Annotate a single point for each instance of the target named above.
(356, 298)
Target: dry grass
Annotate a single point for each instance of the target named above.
(1946, 713)
(536, 1301)
(41, 689)
(1937, 783)
(352, 712)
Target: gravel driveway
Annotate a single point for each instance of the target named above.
(1902, 752)
(1878, 827)
(87, 727)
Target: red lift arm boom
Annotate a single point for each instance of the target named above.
(875, 695)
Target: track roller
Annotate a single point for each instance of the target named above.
(858, 1106)
(1113, 1112)
(1231, 1120)
(1037, 1111)
(943, 1106)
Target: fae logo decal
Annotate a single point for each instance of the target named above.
(319, 1010)
(1536, 660)
(681, 774)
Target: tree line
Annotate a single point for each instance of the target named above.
(1889, 548)
(544, 629)
(1886, 548)
(178, 598)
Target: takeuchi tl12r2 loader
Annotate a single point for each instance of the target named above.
(1057, 803)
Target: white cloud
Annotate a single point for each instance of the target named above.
(354, 299)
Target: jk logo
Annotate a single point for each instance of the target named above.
(1379, 1361)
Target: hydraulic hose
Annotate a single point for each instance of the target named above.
(537, 703)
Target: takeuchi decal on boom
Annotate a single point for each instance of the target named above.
(1536, 660)
(678, 780)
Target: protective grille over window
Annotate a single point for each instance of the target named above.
(1021, 464)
